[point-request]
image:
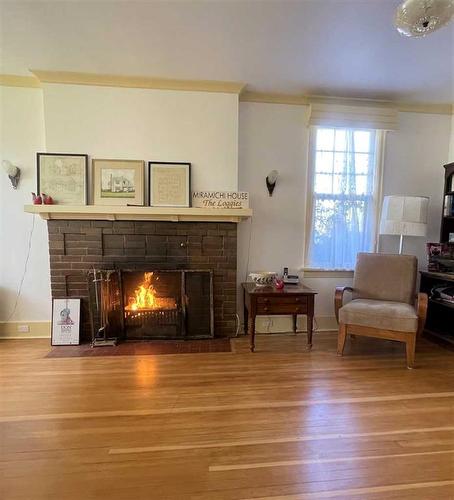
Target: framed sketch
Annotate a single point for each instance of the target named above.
(118, 182)
(65, 321)
(170, 184)
(63, 176)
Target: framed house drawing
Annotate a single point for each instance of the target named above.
(118, 182)
(63, 176)
(169, 184)
(65, 321)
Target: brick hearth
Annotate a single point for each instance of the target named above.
(77, 246)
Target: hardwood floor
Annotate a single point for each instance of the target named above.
(281, 423)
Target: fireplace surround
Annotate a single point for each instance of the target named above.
(139, 304)
(76, 247)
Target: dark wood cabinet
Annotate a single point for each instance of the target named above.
(440, 314)
(447, 218)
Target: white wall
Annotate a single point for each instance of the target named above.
(275, 137)
(160, 125)
(21, 136)
(451, 146)
(414, 159)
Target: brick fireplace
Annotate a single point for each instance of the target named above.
(78, 246)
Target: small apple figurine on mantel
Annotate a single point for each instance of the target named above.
(37, 200)
(47, 200)
(279, 283)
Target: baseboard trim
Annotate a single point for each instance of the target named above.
(264, 324)
(37, 330)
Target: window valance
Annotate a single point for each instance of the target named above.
(360, 116)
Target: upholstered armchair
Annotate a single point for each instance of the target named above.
(384, 303)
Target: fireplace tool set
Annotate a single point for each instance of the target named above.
(102, 303)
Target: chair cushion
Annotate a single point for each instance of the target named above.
(383, 314)
(382, 276)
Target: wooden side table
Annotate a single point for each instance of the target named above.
(268, 300)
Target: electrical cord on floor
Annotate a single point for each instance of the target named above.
(19, 290)
(248, 249)
(238, 325)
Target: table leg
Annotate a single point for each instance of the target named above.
(295, 317)
(310, 320)
(245, 319)
(252, 332)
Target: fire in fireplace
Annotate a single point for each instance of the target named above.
(145, 297)
(153, 304)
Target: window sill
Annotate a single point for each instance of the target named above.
(327, 273)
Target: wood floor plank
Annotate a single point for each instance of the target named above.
(293, 439)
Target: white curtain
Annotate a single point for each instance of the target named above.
(344, 199)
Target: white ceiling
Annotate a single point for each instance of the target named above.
(332, 47)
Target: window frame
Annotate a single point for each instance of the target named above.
(380, 137)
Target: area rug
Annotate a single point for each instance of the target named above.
(153, 347)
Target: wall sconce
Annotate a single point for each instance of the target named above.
(271, 179)
(12, 171)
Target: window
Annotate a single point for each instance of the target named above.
(344, 190)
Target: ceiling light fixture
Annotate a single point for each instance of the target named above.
(416, 18)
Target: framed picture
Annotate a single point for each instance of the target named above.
(170, 184)
(118, 182)
(65, 321)
(63, 176)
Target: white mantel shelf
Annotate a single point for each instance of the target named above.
(97, 212)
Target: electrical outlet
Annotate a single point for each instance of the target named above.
(23, 328)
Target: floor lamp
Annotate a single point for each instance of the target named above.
(404, 216)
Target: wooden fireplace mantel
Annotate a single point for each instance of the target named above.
(96, 212)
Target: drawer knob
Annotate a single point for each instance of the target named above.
(265, 309)
(266, 301)
(297, 299)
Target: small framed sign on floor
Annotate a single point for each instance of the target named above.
(65, 321)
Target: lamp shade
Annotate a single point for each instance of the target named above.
(404, 215)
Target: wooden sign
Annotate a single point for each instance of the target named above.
(220, 199)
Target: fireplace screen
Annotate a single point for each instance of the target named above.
(156, 304)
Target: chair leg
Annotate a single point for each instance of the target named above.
(410, 347)
(341, 337)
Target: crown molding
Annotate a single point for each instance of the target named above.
(139, 82)
(68, 77)
(271, 98)
(430, 108)
(302, 100)
(19, 81)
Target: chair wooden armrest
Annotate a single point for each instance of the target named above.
(421, 310)
(338, 298)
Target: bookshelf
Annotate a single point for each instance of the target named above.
(447, 219)
(440, 312)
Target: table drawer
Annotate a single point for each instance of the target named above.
(276, 301)
(281, 305)
(281, 309)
